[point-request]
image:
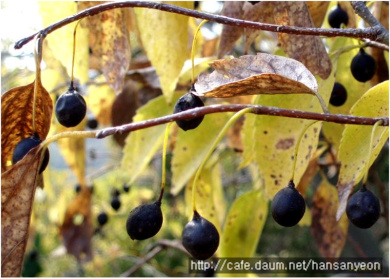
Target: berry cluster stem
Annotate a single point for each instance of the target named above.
(193, 49)
(74, 52)
(211, 149)
(164, 160)
(38, 59)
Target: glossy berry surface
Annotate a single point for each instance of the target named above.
(337, 16)
(77, 188)
(288, 206)
(24, 146)
(363, 208)
(144, 221)
(186, 102)
(115, 203)
(339, 95)
(200, 237)
(70, 108)
(363, 66)
(92, 123)
(126, 188)
(102, 218)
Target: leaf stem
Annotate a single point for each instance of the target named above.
(367, 166)
(69, 134)
(297, 148)
(210, 151)
(37, 82)
(193, 49)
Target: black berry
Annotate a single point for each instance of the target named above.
(126, 188)
(24, 146)
(92, 123)
(144, 221)
(102, 218)
(363, 208)
(115, 203)
(186, 102)
(339, 95)
(200, 237)
(77, 188)
(70, 108)
(363, 66)
(115, 192)
(337, 16)
(288, 206)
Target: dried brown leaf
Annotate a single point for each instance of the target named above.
(318, 11)
(77, 234)
(329, 234)
(17, 115)
(18, 186)
(110, 42)
(260, 12)
(307, 49)
(346, 6)
(260, 74)
(230, 34)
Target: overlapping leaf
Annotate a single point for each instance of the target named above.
(18, 186)
(244, 225)
(317, 11)
(191, 147)
(355, 142)
(260, 74)
(109, 41)
(329, 234)
(141, 145)
(307, 49)
(165, 39)
(17, 118)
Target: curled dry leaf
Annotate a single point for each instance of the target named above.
(307, 49)
(256, 74)
(18, 186)
(17, 118)
(77, 229)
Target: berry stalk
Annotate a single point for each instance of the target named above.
(193, 49)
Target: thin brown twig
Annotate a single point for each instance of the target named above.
(371, 33)
(261, 110)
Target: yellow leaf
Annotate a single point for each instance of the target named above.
(244, 225)
(329, 234)
(61, 41)
(141, 145)
(165, 39)
(354, 146)
(191, 147)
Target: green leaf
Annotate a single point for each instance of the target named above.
(244, 225)
(355, 89)
(165, 39)
(354, 146)
(141, 145)
(191, 147)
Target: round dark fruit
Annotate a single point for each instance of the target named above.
(186, 102)
(24, 146)
(144, 221)
(363, 208)
(339, 95)
(77, 188)
(363, 66)
(126, 188)
(337, 16)
(200, 237)
(115, 192)
(92, 123)
(288, 206)
(115, 203)
(70, 108)
(102, 218)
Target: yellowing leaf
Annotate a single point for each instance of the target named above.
(256, 74)
(141, 145)
(61, 41)
(244, 225)
(210, 202)
(18, 186)
(165, 39)
(191, 147)
(317, 11)
(100, 99)
(355, 142)
(355, 89)
(17, 118)
(329, 234)
(110, 43)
